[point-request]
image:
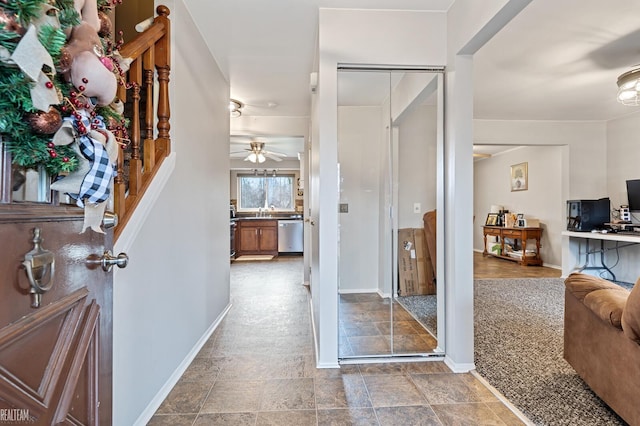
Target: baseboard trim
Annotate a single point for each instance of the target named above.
(313, 330)
(459, 367)
(164, 391)
(359, 290)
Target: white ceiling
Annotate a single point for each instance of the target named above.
(556, 60)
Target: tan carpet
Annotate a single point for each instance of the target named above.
(254, 257)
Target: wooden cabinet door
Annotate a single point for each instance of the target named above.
(248, 239)
(56, 359)
(269, 239)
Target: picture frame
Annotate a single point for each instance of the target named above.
(492, 219)
(519, 177)
(520, 221)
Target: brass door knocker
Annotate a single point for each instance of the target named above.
(40, 266)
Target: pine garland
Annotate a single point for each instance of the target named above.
(53, 39)
(26, 11)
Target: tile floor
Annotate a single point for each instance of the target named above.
(258, 369)
(365, 328)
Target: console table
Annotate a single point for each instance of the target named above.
(522, 234)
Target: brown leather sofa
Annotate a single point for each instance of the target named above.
(602, 340)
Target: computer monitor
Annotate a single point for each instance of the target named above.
(633, 194)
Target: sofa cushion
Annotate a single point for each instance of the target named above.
(582, 284)
(608, 304)
(631, 314)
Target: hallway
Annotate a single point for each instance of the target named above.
(258, 369)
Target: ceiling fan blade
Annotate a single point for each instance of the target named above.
(478, 155)
(271, 156)
(278, 154)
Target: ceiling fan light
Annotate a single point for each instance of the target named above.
(235, 107)
(261, 158)
(252, 157)
(629, 87)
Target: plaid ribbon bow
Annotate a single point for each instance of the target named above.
(95, 186)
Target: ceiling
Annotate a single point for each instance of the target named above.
(556, 60)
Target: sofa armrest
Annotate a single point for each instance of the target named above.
(608, 304)
(631, 315)
(582, 284)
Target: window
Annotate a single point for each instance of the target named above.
(255, 192)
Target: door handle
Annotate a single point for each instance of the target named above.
(40, 266)
(107, 261)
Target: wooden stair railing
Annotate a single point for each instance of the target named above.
(148, 75)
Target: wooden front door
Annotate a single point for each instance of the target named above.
(56, 359)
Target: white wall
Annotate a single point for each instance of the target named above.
(177, 282)
(417, 165)
(623, 158)
(542, 200)
(353, 36)
(359, 150)
(470, 24)
(587, 142)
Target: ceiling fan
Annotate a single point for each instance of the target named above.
(257, 153)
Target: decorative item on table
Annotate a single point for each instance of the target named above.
(510, 220)
(520, 221)
(519, 177)
(63, 111)
(492, 219)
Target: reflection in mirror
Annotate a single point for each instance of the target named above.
(388, 124)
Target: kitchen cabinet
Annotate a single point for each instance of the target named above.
(257, 236)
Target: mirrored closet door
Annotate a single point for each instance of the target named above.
(390, 165)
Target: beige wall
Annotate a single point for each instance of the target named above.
(578, 171)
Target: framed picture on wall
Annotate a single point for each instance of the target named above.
(519, 177)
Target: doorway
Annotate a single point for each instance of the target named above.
(390, 175)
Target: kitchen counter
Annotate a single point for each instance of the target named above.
(272, 217)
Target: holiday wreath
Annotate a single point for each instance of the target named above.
(59, 73)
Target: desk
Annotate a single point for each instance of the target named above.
(522, 234)
(572, 250)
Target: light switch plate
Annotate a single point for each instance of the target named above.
(417, 208)
(344, 208)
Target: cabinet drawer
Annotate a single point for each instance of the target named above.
(508, 233)
(489, 231)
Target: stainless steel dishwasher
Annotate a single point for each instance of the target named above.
(290, 236)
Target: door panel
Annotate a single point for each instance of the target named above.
(388, 140)
(55, 360)
(269, 239)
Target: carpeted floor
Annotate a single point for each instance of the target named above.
(518, 350)
(423, 309)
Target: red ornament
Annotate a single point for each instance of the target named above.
(53, 154)
(50, 145)
(48, 85)
(65, 159)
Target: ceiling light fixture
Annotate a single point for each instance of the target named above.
(629, 87)
(235, 108)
